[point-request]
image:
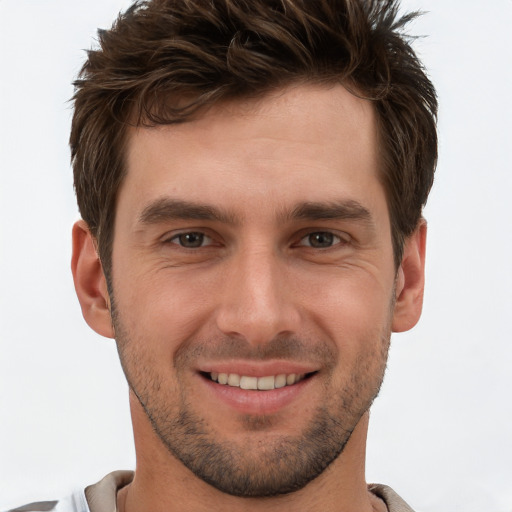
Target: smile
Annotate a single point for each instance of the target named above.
(256, 383)
(257, 389)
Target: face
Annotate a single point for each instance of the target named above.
(253, 285)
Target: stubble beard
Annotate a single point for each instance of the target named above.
(255, 469)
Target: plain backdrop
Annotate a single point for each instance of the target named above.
(440, 431)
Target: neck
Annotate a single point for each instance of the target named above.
(164, 484)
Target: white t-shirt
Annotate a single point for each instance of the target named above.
(76, 502)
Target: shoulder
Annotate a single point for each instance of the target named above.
(393, 502)
(99, 497)
(73, 503)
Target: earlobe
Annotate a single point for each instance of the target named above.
(410, 281)
(90, 282)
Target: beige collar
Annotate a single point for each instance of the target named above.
(101, 497)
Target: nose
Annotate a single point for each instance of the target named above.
(258, 302)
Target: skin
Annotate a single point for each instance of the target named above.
(270, 284)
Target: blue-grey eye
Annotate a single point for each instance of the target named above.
(191, 240)
(320, 240)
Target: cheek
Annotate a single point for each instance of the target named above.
(161, 309)
(348, 304)
(354, 315)
(357, 322)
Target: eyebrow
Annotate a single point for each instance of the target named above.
(332, 210)
(165, 209)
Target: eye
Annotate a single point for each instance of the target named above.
(191, 240)
(320, 240)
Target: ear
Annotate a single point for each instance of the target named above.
(90, 282)
(410, 281)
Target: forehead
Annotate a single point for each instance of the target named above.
(302, 143)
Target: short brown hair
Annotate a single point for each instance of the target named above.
(161, 51)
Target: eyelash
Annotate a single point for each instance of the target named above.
(175, 239)
(333, 238)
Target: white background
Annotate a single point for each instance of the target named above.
(441, 431)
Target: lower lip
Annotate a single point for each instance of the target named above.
(248, 401)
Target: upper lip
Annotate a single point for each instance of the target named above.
(258, 368)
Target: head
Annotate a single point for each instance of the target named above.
(252, 174)
(164, 62)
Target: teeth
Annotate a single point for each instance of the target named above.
(233, 379)
(248, 382)
(290, 379)
(261, 383)
(265, 383)
(280, 381)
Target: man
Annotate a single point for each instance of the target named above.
(251, 177)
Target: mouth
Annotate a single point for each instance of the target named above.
(266, 383)
(247, 392)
